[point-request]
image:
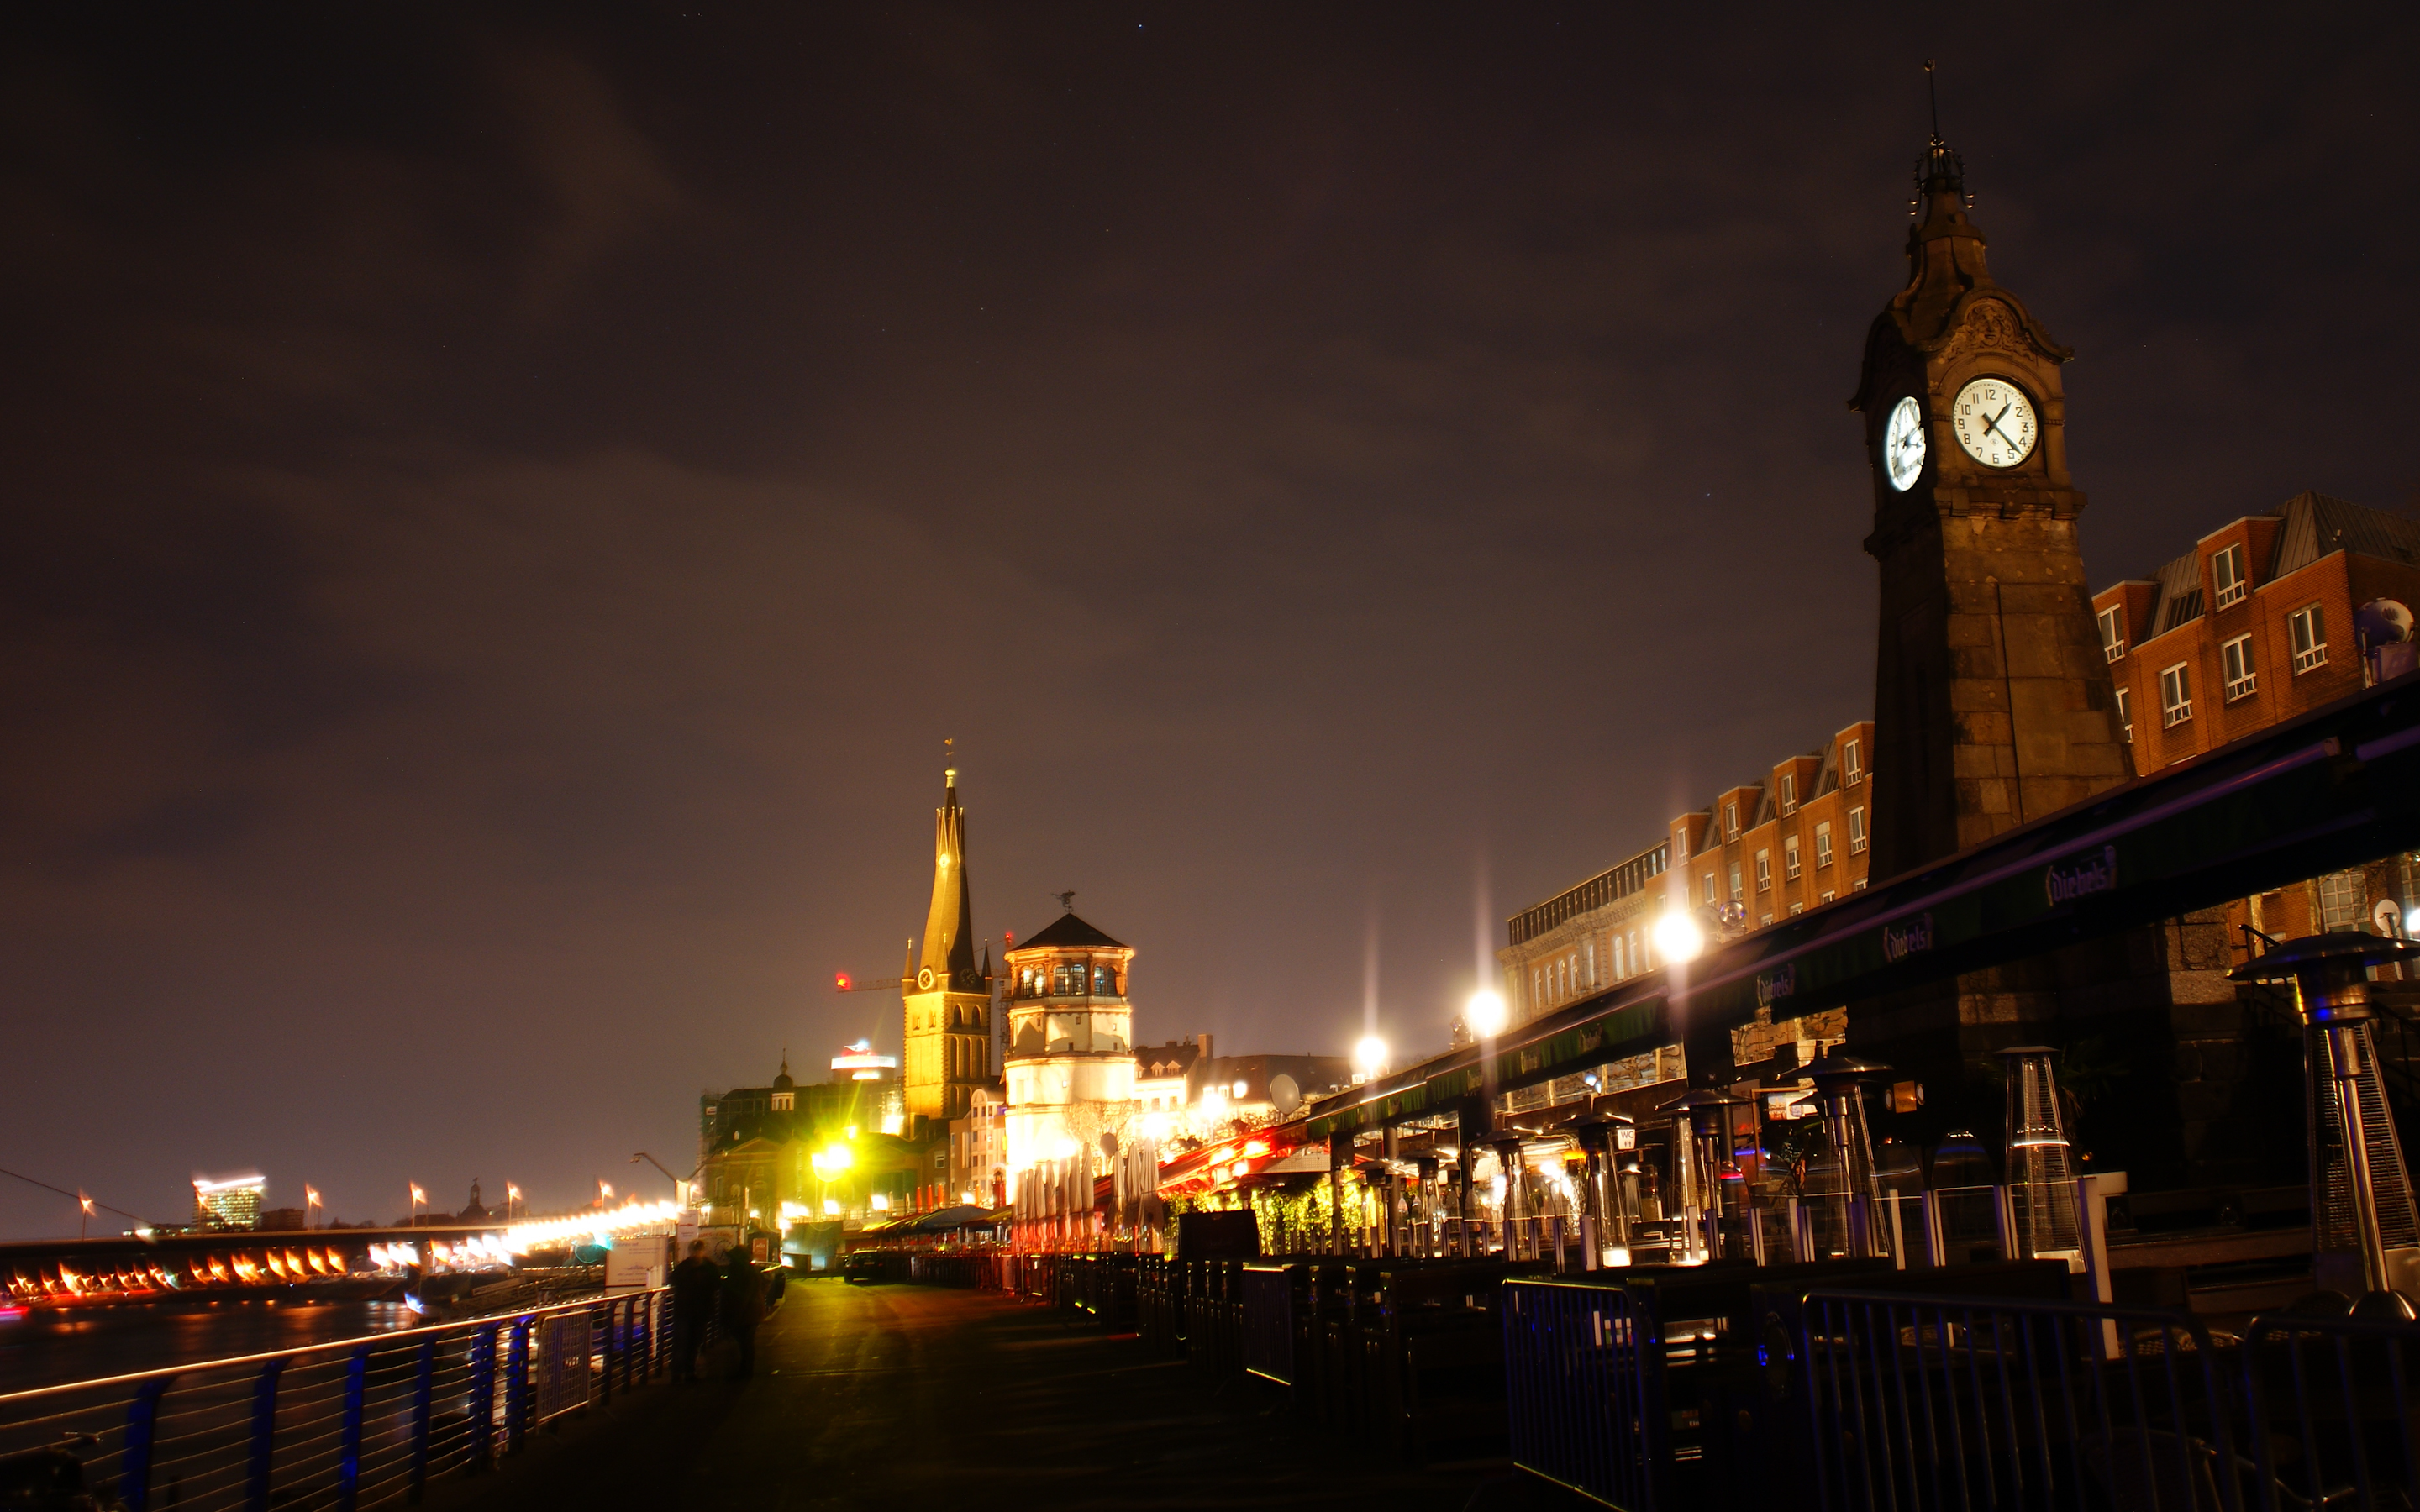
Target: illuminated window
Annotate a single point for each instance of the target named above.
(2113, 631)
(2227, 575)
(1620, 969)
(2126, 713)
(1856, 832)
(2309, 629)
(1790, 859)
(2176, 696)
(2235, 657)
(1824, 843)
(1851, 764)
(1764, 871)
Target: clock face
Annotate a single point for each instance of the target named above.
(1994, 421)
(1903, 444)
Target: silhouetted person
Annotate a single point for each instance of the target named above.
(696, 1283)
(743, 1308)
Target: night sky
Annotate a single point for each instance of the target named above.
(500, 512)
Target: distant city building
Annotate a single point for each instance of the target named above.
(766, 1154)
(979, 1150)
(1161, 1071)
(233, 1203)
(282, 1218)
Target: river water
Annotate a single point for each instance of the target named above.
(51, 1346)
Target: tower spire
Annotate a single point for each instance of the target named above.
(949, 941)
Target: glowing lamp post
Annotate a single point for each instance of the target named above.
(1677, 937)
(1369, 1056)
(1485, 1013)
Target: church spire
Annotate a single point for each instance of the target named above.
(948, 939)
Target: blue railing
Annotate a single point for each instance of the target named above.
(346, 1425)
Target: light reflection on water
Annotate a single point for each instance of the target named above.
(50, 1346)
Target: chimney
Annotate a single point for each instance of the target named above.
(1204, 1040)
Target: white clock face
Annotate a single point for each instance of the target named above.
(1903, 444)
(1994, 421)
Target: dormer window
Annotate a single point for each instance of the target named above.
(1852, 764)
(1731, 820)
(1789, 792)
(2113, 631)
(2227, 575)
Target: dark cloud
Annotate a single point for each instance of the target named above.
(504, 511)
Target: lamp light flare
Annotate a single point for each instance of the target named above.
(1369, 1054)
(1485, 1013)
(1678, 937)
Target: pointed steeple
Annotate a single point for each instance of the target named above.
(948, 938)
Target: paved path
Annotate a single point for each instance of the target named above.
(913, 1397)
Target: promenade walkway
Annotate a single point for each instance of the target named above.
(912, 1397)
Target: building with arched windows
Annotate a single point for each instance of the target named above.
(1070, 1064)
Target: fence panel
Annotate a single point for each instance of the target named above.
(349, 1423)
(1919, 1402)
(2330, 1404)
(1585, 1391)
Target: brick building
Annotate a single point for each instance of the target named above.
(1770, 849)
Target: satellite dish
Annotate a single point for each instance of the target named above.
(1284, 1095)
(1110, 1145)
(2383, 622)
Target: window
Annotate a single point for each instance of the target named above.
(1766, 922)
(1789, 792)
(1710, 886)
(2235, 657)
(1827, 897)
(1852, 768)
(1796, 909)
(1680, 844)
(2340, 901)
(2176, 696)
(1764, 871)
(1858, 886)
(1790, 859)
(1730, 821)
(1620, 969)
(1824, 843)
(1638, 961)
(2126, 713)
(2113, 631)
(1735, 882)
(1856, 832)
(2227, 575)
(2310, 629)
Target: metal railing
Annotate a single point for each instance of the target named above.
(1587, 1410)
(2330, 1404)
(1919, 1402)
(346, 1425)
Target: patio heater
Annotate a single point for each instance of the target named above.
(1701, 1150)
(1424, 1210)
(1605, 1216)
(2364, 1238)
(2041, 1165)
(1856, 1201)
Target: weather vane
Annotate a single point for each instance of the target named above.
(1066, 901)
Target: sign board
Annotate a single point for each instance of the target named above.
(559, 1362)
(635, 1264)
(685, 1231)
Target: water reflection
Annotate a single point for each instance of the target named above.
(49, 1346)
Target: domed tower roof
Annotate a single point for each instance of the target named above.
(781, 1082)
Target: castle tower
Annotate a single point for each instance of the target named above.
(1070, 1065)
(1993, 700)
(945, 998)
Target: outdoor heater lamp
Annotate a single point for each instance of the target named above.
(1702, 1139)
(2364, 1236)
(2042, 1163)
(1839, 1078)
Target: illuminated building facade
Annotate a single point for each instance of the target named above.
(234, 1203)
(1070, 1069)
(945, 992)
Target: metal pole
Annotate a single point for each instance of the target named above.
(348, 1452)
(2345, 1064)
(264, 1434)
(142, 1437)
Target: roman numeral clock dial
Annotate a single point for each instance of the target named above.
(1903, 444)
(1994, 421)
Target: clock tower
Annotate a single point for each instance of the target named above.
(945, 998)
(1993, 700)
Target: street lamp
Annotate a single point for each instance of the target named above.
(1677, 937)
(1485, 1013)
(1369, 1056)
